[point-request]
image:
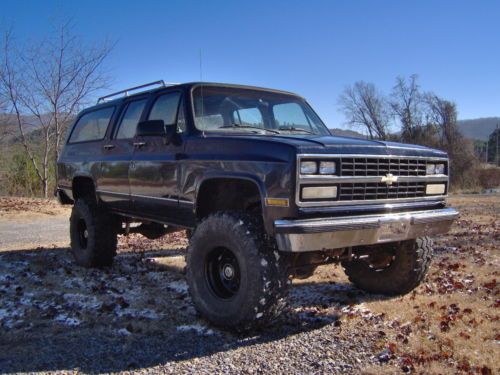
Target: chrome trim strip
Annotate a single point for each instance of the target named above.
(370, 179)
(348, 231)
(181, 201)
(381, 146)
(365, 202)
(362, 179)
(154, 198)
(336, 156)
(338, 223)
(373, 207)
(111, 192)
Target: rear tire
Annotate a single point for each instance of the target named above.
(237, 278)
(410, 263)
(93, 233)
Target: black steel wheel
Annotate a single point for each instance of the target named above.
(236, 278)
(392, 269)
(83, 234)
(93, 233)
(223, 272)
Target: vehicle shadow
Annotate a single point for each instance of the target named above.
(57, 316)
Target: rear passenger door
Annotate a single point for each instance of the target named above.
(114, 187)
(153, 171)
(82, 154)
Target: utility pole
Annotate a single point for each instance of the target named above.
(497, 147)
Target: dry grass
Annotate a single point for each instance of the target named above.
(16, 208)
(450, 324)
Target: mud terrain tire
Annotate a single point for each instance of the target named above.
(406, 271)
(237, 278)
(93, 233)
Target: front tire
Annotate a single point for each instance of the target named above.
(236, 278)
(406, 268)
(93, 233)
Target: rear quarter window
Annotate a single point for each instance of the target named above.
(92, 126)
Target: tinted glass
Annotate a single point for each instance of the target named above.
(291, 115)
(181, 119)
(130, 119)
(234, 109)
(165, 108)
(248, 116)
(92, 126)
(209, 122)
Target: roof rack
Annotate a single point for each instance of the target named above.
(126, 92)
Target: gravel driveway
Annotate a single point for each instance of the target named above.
(40, 231)
(137, 315)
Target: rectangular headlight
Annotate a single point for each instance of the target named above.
(327, 167)
(308, 167)
(430, 169)
(435, 189)
(319, 192)
(439, 169)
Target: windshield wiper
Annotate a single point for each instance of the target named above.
(294, 129)
(238, 126)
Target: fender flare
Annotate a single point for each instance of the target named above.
(231, 176)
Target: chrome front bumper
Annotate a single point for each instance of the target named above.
(347, 231)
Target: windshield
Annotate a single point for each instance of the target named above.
(220, 109)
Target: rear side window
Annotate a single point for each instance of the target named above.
(92, 126)
(165, 108)
(130, 119)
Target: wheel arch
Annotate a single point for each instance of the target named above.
(209, 183)
(83, 186)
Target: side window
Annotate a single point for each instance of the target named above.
(290, 115)
(165, 108)
(130, 119)
(181, 119)
(248, 116)
(209, 122)
(92, 126)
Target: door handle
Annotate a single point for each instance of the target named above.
(109, 147)
(139, 144)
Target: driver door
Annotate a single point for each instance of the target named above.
(153, 170)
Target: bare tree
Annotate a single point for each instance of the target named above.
(65, 74)
(407, 107)
(12, 86)
(364, 106)
(442, 114)
(49, 83)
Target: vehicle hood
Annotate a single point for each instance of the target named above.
(315, 144)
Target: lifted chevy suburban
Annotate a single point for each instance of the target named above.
(263, 189)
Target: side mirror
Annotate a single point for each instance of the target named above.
(151, 128)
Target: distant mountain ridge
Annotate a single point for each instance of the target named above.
(479, 128)
(476, 129)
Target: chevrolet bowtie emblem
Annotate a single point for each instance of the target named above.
(389, 178)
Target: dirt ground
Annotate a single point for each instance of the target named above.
(137, 315)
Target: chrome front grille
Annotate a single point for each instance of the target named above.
(371, 191)
(382, 166)
(372, 179)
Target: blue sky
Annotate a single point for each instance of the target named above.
(314, 48)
